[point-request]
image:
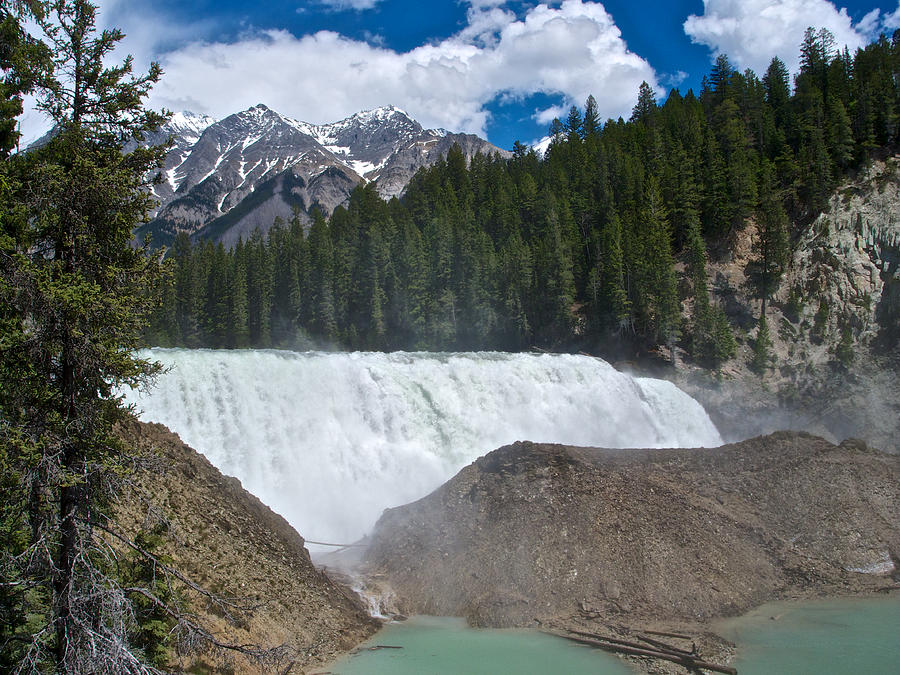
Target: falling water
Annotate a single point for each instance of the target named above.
(330, 440)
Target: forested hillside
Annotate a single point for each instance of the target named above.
(601, 244)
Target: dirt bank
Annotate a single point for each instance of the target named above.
(229, 542)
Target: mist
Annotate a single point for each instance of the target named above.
(329, 440)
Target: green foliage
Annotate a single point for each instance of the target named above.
(24, 63)
(844, 352)
(762, 349)
(575, 250)
(820, 322)
(711, 340)
(74, 298)
(770, 246)
(154, 625)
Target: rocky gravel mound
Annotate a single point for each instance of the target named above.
(534, 533)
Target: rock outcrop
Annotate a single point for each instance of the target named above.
(849, 261)
(536, 532)
(834, 324)
(228, 542)
(223, 179)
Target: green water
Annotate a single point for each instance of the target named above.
(439, 646)
(828, 637)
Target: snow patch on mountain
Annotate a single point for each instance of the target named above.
(215, 166)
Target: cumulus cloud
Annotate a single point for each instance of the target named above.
(357, 5)
(870, 24)
(751, 32)
(572, 50)
(549, 114)
(892, 20)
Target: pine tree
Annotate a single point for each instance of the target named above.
(660, 283)
(720, 77)
(74, 306)
(840, 135)
(515, 263)
(711, 338)
(645, 107)
(762, 349)
(777, 85)
(239, 329)
(24, 61)
(323, 322)
(611, 293)
(591, 125)
(187, 291)
(771, 245)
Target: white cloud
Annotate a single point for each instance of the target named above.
(892, 20)
(572, 50)
(549, 114)
(870, 24)
(674, 79)
(357, 5)
(751, 32)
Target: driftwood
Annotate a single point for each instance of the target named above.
(664, 634)
(633, 649)
(666, 647)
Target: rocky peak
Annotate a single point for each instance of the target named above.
(188, 126)
(274, 166)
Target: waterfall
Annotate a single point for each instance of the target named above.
(329, 440)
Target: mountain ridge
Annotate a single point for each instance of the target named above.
(215, 167)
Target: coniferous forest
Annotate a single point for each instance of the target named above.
(601, 244)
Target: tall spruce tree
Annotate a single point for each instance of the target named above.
(771, 246)
(74, 298)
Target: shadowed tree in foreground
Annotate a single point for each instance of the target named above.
(76, 594)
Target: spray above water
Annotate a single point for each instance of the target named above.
(329, 440)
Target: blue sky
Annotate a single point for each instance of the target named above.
(499, 69)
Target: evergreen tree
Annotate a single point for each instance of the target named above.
(660, 288)
(777, 85)
(239, 328)
(74, 306)
(515, 263)
(187, 291)
(591, 125)
(646, 104)
(720, 78)
(24, 61)
(610, 293)
(711, 339)
(323, 322)
(771, 245)
(762, 357)
(840, 136)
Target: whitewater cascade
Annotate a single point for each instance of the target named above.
(329, 440)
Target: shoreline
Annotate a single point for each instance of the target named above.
(712, 638)
(711, 635)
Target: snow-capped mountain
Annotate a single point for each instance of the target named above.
(185, 129)
(222, 179)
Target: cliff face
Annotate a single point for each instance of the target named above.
(227, 541)
(834, 324)
(535, 532)
(848, 259)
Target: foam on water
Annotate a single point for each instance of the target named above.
(329, 440)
